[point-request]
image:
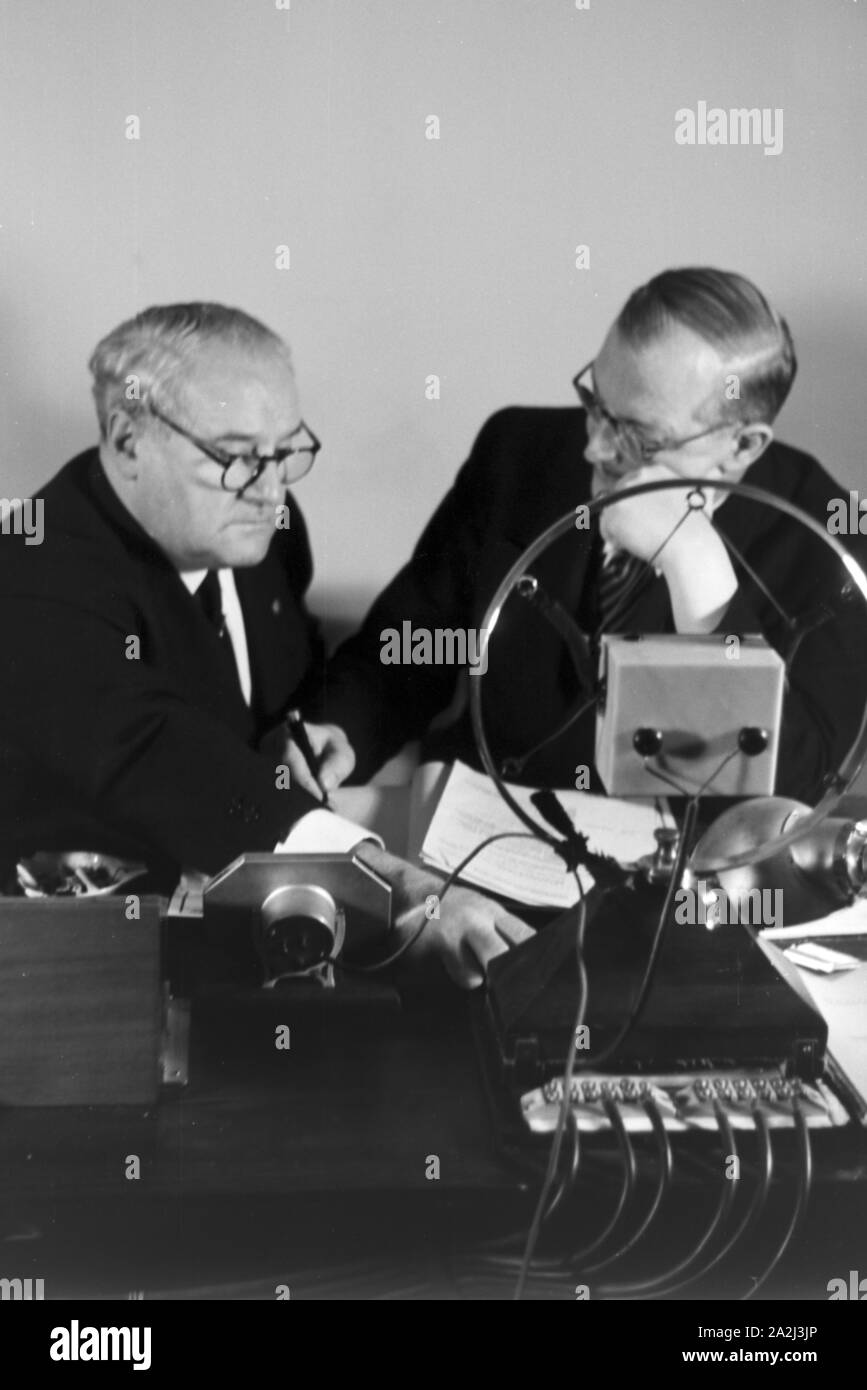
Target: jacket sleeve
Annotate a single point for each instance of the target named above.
(119, 737)
(381, 705)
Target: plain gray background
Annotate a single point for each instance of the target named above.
(305, 127)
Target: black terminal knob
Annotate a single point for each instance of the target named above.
(647, 742)
(752, 740)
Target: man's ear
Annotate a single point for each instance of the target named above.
(750, 443)
(121, 442)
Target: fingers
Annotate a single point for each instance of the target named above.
(463, 969)
(481, 936)
(468, 933)
(487, 940)
(512, 929)
(337, 761)
(299, 773)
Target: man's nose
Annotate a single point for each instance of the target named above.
(269, 486)
(601, 443)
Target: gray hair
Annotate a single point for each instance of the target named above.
(146, 357)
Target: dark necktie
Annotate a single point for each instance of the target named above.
(210, 601)
(617, 577)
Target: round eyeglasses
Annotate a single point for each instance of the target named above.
(240, 471)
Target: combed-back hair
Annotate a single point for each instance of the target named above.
(731, 314)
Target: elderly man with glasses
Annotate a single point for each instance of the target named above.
(158, 635)
(687, 382)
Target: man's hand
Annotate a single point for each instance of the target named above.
(642, 524)
(334, 755)
(695, 563)
(468, 933)
(464, 931)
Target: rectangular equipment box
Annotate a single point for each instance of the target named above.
(699, 692)
(718, 999)
(81, 1004)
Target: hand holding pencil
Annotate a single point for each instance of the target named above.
(319, 756)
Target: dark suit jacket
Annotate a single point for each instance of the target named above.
(526, 470)
(154, 757)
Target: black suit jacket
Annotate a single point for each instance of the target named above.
(526, 470)
(155, 756)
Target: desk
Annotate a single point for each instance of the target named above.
(310, 1167)
(348, 1115)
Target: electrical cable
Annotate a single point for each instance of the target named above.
(569, 1179)
(447, 884)
(565, 1099)
(752, 1213)
(644, 989)
(664, 777)
(663, 1181)
(805, 1178)
(689, 820)
(627, 1189)
(684, 791)
(564, 1187)
(644, 1288)
(759, 1198)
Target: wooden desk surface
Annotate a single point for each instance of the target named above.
(359, 1100)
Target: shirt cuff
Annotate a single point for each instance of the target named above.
(323, 832)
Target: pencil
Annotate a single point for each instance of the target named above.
(297, 731)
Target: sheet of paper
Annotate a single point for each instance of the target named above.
(813, 957)
(428, 784)
(849, 921)
(527, 870)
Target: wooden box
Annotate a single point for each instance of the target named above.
(80, 1001)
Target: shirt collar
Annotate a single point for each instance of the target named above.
(193, 579)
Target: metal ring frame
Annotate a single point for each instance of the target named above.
(850, 764)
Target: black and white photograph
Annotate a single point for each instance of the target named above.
(433, 698)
